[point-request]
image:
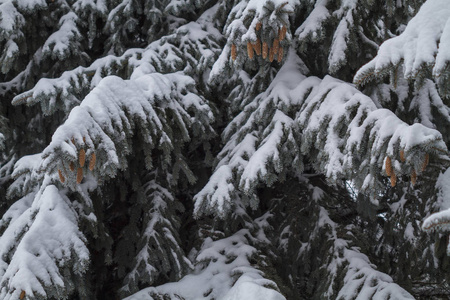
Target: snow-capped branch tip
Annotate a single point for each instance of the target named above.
(437, 226)
(439, 222)
(423, 49)
(261, 32)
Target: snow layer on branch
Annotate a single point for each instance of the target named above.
(258, 11)
(424, 44)
(60, 43)
(353, 137)
(106, 120)
(443, 187)
(41, 246)
(361, 280)
(217, 193)
(63, 92)
(267, 152)
(267, 11)
(259, 23)
(181, 7)
(337, 56)
(192, 48)
(312, 26)
(30, 5)
(249, 288)
(10, 18)
(98, 5)
(424, 105)
(259, 142)
(427, 101)
(11, 21)
(13, 28)
(440, 221)
(2, 141)
(26, 174)
(71, 82)
(218, 264)
(337, 126)
(158, 249)
(11, 215)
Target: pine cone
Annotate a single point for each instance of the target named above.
(257, 47)
(82, 157)
(92, 161)
(280, 54)
(22, 295)
(393, 179)
(61, 176)
(250, 50)
(388, 166)
(79, 175)
(276, 46)
(233, 52)
(71, 166)
(265, 50)
(258, 26)
(271, 54)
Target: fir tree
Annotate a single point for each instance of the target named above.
(185, 149)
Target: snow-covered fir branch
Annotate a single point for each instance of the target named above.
(254, 149)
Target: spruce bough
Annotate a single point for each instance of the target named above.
(195, 149)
